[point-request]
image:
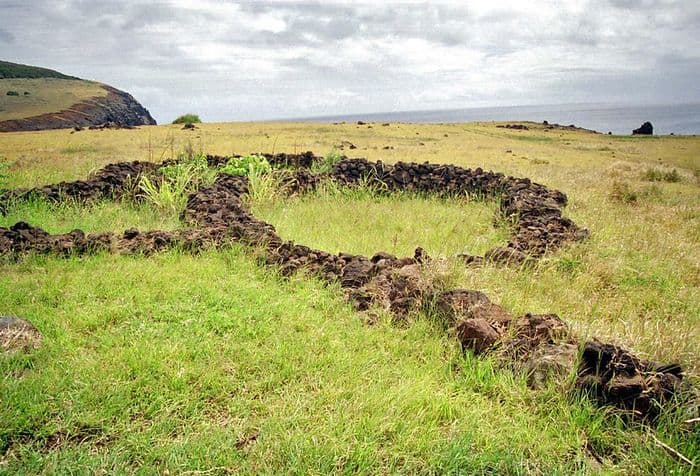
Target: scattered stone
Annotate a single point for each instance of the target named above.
(477, 335)
(517, 127)
(189, 126)
(614, 376)
(551, 363)
(346, 144)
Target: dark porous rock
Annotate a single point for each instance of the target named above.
(356, 273)
(517, 127)
(18, 335)
(460, 304)
(457, 303)
(505, 255)
(477, 335)
(551, 362)
(645, 129)
(615, 377)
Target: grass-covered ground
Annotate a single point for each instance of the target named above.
(210, 363)
(45, 95)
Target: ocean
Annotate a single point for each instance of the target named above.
(666, 119)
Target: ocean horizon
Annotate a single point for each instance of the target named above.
(678, 119)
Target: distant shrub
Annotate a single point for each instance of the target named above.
(187, 119)
(247, 165)
(12, 93)
(659, 175)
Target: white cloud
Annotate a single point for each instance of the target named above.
(254, 60)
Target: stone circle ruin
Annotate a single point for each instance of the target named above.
(540, 345)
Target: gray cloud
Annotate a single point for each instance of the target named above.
(6, 36)
(265, 59)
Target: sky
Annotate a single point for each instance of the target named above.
(232, 61)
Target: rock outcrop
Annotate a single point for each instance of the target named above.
(645, 129)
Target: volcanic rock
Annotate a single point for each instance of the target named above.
(645, 129)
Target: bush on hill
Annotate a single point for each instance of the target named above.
(187, 119)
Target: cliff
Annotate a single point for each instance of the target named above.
(103, 104)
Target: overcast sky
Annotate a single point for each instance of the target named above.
(262, 60)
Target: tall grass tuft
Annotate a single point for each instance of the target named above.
(167, 194)
(326, 165)
(659, 175)
(169, 191)
(266, 187)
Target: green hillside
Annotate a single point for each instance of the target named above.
(15, 70)
(34, 98)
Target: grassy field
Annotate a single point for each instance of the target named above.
(211, 364)
(46, 95)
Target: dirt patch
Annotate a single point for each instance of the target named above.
(18, 335)
(541, 345)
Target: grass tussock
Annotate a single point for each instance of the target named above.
(626, 193)
(168, 191)
(659, 175)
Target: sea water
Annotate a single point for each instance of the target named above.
(666, 119)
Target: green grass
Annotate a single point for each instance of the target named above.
(16, 70)
(91, 218)
(176, 361)
(182, 362)
(529, 138)
(359, 222)
(46, 95)
(78, 149)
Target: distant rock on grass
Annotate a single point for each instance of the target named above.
(645, 129)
